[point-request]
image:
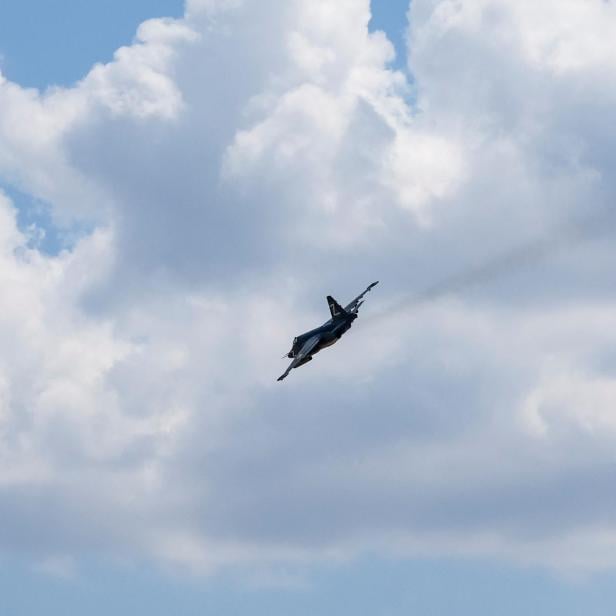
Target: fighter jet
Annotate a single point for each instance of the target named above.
(310, 343)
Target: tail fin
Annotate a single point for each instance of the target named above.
(334, 307)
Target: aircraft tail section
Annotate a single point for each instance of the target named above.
(334, 307)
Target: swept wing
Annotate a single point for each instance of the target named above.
(356, 303)
(303, 355)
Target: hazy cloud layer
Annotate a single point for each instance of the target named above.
(237, 165)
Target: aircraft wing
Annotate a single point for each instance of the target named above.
(356, 303)
(304, 352)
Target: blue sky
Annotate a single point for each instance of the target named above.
(370, 586)
(462, 467)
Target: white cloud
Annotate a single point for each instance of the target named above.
(562, 37)
(140, 80)
(574, 402)
(235, 166)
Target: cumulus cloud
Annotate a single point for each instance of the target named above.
(235, 166)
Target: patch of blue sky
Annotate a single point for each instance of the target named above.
(371, 586)
(34, 220)
(390, 16)
(44, 43)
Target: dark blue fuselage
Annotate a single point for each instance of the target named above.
(329, 333)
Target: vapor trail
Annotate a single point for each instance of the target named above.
(517, 258)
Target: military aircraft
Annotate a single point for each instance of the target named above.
(310, 343)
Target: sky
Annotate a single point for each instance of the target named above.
(180, 188)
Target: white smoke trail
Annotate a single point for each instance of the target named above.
(517, 258)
